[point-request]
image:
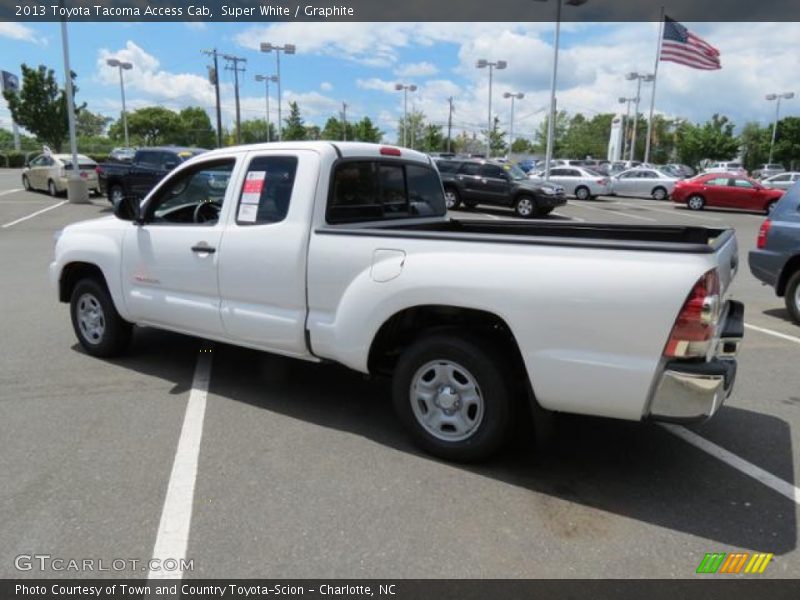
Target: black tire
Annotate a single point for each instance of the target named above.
(525, 207)
(543, 212)
(452, 198)
(792, 297)
(659, 193)
(486, 368)
(115, 194)
(582, 193)
(26, 183)
(695, 202)
(90, 294)
(51, 188)
(770, 207)
(470, 204)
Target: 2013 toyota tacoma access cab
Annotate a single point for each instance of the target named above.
(344, 252)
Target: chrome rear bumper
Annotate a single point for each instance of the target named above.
(691, 391)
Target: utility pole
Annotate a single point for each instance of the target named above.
(213, 77)
(235, 60)
(449, 122)
(344, 121)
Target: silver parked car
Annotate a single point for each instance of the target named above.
(49, 172)
(767, 170)
(581, 182)
(644, 183)
(781, 181)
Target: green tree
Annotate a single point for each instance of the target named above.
(195, 128)
(365, 131)
(414, 127)
(41, 105)
(432, 139)
(255, 131)
(754, 141)
(313, 132)
(89, 124)
(561, 126)
(713, 140)
(294, 128)
(497, 138)
(149, 126)
(787, 142)
(521, 146)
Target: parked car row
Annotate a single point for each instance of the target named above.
(585, 183)
(49, 172)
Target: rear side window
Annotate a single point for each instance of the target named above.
(470, 169)
(267, 190)
(375, 190)
(494, 171)
(447, 166)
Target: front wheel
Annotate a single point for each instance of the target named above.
(453, 397)
(26, 183)
(99, 327)
(51, 188)
(524, 207)
(696, 202)
(451, 198)
(793, 297)
(115, 194)
(659, 194)
(582, 193)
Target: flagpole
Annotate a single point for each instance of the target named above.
(653, 92)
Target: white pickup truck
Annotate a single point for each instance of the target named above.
(344, 252)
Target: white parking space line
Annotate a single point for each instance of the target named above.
(176, 516)
(10, 192)
(30, 216)
(776, 334)
(679, 213)
(616, 212)
(569, 217)
(768, 479)
(496, 218)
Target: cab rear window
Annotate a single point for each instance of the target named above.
(375, 190)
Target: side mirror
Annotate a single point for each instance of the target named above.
(128, 209)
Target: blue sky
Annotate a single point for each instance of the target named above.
(359, 63)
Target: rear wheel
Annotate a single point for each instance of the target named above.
(116, 193)
(51, 188)
(97, 324)
(582, 193)
(524, 207)
(696, 202)
(793, 297)
(26, 184)
(453, 396)
(659, 193)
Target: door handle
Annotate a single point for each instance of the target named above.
(203, 249)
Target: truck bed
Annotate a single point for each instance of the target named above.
(658, 238)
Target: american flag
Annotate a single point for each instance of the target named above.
(683, 47)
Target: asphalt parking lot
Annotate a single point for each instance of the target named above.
(303, 470)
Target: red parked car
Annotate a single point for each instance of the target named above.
(725, 190)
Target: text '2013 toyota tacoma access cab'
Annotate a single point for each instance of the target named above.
(344, 252)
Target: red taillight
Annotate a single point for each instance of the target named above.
(389, 151)
(761, 240)
(697, 320)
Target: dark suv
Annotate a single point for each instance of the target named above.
(477, 181)
(776, 260)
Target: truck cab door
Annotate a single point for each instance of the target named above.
(262, 264)
(170, 259)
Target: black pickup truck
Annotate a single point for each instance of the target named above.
(477, 181)
(149, 166)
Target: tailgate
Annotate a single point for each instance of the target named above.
(727, 261)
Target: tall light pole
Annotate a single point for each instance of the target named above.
(499, 65)
(517, 96)
(122, 66)
(639, 78)
(625, 123)
(777, 97)
(266, 79)
(405, 88)
(286, 49)
(551, 128)
(76, 187)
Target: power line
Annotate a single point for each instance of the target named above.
(235, 60)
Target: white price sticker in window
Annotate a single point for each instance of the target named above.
(247, 213)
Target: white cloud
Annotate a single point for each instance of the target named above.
(21, 33)
(420, 69)
(326, 86)
(375, 83)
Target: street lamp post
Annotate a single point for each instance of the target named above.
(639, 77)
(517, 96)
(625, 123)
(552, 113)
(777, 97)
(122, 66)
(499, 65)
(286, 49)
(405, 88)
(266, 79)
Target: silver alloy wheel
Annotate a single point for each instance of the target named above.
(51, 188)
(26, 184)
(797, 298)
(91, 318)
(524, 207)
(116, 195)
(446, 400)
(695, 203)
(582, 193)
(659, 194)
(449, 198)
